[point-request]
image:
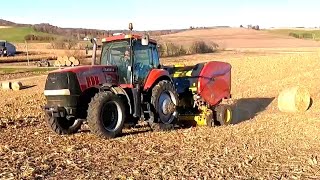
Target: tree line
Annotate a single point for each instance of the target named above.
(80, 33)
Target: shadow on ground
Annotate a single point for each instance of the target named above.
(243, 109)
(247, 108)
(27, 87)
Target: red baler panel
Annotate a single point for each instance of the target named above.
(215, 82)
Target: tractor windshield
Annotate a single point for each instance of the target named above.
(117, 54)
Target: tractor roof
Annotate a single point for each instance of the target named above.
(123, 37)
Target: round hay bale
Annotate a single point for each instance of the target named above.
(56, 63)
(59, 58)
(76, 62)
(63, 61)
(16, 86)
(68, 63)
(72, 59)
(65, 58)
(6, 85)
(294, 99)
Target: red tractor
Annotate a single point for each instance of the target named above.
(129, 84)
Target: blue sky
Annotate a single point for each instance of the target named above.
(163, 14)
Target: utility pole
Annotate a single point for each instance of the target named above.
(27, 51)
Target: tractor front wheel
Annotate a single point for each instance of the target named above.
(164, 100)
(106, 115)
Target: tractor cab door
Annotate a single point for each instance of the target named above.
(117, 54)
(145, 59)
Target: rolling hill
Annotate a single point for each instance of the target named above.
(76, 33)
(239, 38)
(17, 34)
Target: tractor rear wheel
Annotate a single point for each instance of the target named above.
(223, 114)
(106, 115)
(164, 100)
(62, 126)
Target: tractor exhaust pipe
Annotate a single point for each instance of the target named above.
(137, 100)
(94, 51)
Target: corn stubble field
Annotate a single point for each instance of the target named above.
(263, 143)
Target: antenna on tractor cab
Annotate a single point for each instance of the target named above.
(130, 27)
(131, 53)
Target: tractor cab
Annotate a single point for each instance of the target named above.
(134, 56)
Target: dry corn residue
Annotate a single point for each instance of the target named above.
(262, 143)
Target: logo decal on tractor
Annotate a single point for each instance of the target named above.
(92, 81)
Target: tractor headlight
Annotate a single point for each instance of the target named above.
(108, 79)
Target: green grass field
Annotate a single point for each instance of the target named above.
(17, 34)
(298, 33)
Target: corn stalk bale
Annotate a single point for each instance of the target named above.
(57, 63)
(72, 59)
(63, 60)
(6, 85)
(76, 62)
(68, 63)
(59, 58)
(16, 86)
(294, 99)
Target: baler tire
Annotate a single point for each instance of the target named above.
(59, 125)
(221, 116)
(96, 117)
(155, 121)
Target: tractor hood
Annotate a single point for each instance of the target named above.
(87, 68)
(86, 76)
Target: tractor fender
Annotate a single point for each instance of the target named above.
(119, 90)
(154, 77)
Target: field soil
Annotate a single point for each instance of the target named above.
(238, 38)
(261, 143)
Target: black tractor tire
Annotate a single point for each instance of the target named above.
(158, 120)
(62, 126)
(106, 115)
(223, 115)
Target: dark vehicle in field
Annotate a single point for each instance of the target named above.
(7, 49)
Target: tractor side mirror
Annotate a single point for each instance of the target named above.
(145, 40)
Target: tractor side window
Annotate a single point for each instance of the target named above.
(155, 57)
(117, 54)
(142, 61)
(114, 53)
